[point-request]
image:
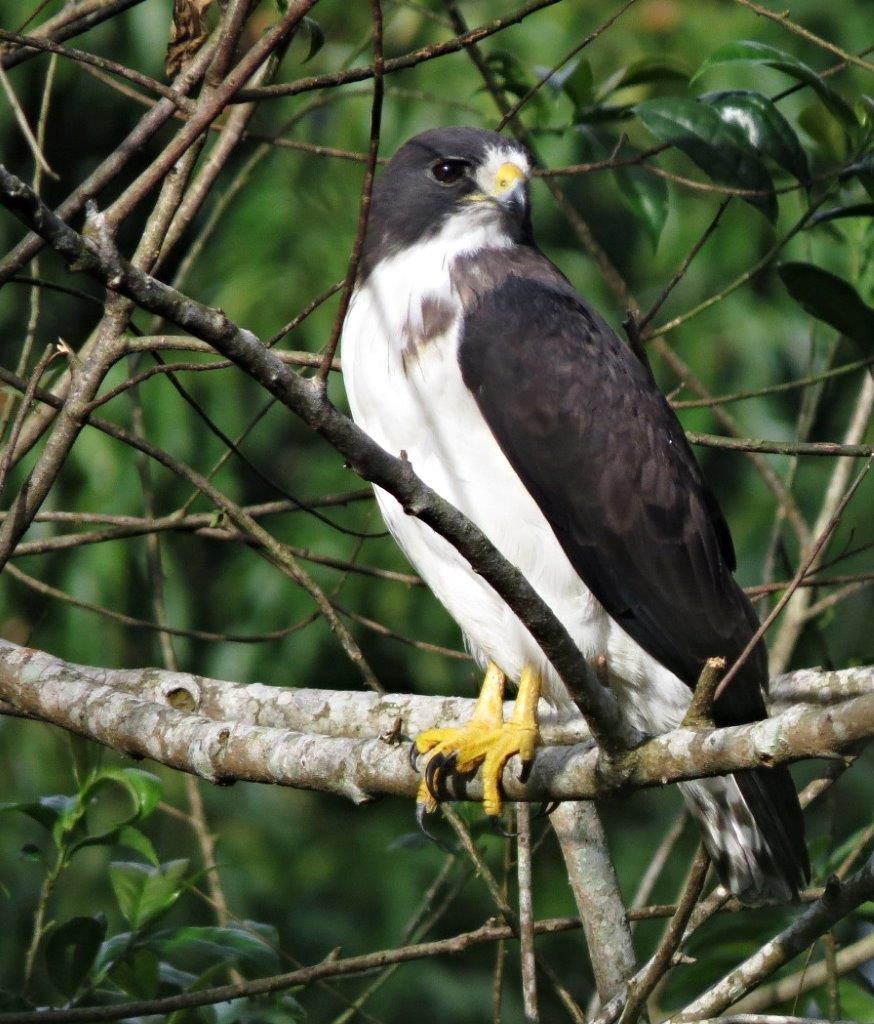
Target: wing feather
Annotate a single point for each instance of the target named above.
(583, 423)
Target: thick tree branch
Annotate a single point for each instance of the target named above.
(361, 767)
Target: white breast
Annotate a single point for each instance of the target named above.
(417, 403)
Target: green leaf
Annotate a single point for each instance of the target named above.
(313, 31)
(828, 135)
(47, 811)
(144, 792)
(653, 68)
(831, 299)
(208, 945)
(578, 85)
(70, 951)
(841, 212)
(752, 52)
(143, 788)
(763, 126)
(717, 148)
(511, 74)
(863, 169)
(137, 974)
(133, 839)
(144, 891)
(647, 195)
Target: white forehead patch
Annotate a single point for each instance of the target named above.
(496, 157)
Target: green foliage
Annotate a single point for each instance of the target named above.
(70, 952)
(760, 53)
(831, 299)
(714, 144)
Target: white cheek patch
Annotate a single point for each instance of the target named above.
(496, 157)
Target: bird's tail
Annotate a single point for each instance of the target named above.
(752, 828)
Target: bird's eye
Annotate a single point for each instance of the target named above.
(447, 172)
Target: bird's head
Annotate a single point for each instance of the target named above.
(450, 178)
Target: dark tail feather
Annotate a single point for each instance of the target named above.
(753, 830)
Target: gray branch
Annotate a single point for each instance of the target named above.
(835, 904)
(170, 721)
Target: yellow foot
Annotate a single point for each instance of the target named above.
(486, 740)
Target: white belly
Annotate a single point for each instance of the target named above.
(418, 404)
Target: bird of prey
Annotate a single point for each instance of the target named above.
(465, 348)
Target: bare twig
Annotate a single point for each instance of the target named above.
(366, 194)
(782, 18)
(661, 960)
(817, 919)
(526, 913)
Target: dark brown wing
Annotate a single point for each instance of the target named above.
(583, 424)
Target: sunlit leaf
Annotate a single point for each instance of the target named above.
(764, 127)
(70, 951)
(752, 52)
(831, 299)
(719, 149)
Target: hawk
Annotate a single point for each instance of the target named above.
(465, 348)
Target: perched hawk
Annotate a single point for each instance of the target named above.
(465, 348)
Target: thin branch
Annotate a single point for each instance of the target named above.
(526, 913)
(661, 960)
(366, 194)
(526, 97)
(407, 60)
(21, 119)
(105, 64)
(850, 958)
(775, 389)
(803, 570)
(131, 146)
(837, 902)
(782, 18)
(73, 20)
(684, 266)
(830, 449)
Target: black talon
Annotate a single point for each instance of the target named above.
(432, 776)
(447, 769)
(421, 817)
(414, 756)
(525, 770)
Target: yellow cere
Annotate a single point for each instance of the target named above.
(508, 174)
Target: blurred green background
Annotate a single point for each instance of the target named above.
(325, 874)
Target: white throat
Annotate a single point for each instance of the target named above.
(398, 284)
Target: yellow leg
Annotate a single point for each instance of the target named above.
(486, 739)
